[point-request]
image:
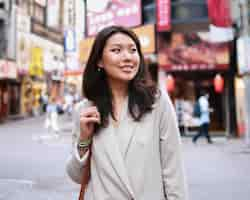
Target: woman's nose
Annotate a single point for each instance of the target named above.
(127, 54)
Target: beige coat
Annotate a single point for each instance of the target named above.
(140, 161)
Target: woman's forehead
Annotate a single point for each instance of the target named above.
(120, 39)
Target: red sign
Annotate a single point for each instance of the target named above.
(219, 12)
(163, 9)
(112, 12)
(8, 69)
(192, 52)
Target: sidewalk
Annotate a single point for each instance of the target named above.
(219, 171)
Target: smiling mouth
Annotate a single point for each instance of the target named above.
(127, 68)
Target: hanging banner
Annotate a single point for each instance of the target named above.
(219, 12)
(36, 65)
(163, 12)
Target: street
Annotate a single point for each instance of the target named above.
(33, 164)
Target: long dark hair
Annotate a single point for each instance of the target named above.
(141, 90)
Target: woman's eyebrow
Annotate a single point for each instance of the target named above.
(120, 45)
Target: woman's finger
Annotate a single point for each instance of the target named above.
(92, 119)
(90, 111)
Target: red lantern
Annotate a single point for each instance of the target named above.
(218, 83)
(170, 83)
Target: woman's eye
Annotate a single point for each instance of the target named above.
(133, 50)
(115, 50)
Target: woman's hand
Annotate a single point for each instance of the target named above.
(88, 117)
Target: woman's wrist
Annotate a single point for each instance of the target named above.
(84, 140)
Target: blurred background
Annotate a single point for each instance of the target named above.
(189, 46)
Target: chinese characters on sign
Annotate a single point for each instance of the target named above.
(112, 12)
(189, 52)
(163, 15)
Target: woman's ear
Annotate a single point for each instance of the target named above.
(100, 64)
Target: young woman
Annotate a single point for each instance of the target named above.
(135, 140)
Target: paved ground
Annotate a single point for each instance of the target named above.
(218, 171)
(33, 165)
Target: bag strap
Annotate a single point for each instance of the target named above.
(85, 177)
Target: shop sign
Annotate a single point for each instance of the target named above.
(243, 48)
(219, 12)
(192, 52)
(69, 13)
(23, 22)
(146, 36)
(52, 54)
(8, 69)
(53, 13)
(163, 12)
(85, 48)
(23, 52)
(112, 12)
(70, 40)
(36, 65)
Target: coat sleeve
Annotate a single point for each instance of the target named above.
(170, 151)
(75, 164)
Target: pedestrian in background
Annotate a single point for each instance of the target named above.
(179, 107)
(204, 118)
(68, 103)
(51, 121)
(124, 127)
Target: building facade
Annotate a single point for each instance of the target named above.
(32, 54)
(8, 69)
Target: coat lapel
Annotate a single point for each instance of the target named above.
(115, 157)
(126, 130)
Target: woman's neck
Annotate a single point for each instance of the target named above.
(119, 94)
(119, 91)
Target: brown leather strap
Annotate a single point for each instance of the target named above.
(85, 177)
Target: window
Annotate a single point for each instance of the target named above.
(38, 13)
(2, 39)
(188, 11)
(2, 6)
(149, 13)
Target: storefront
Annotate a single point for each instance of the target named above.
(192, 64)
(9, 90)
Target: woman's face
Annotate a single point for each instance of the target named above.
(120, 58)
